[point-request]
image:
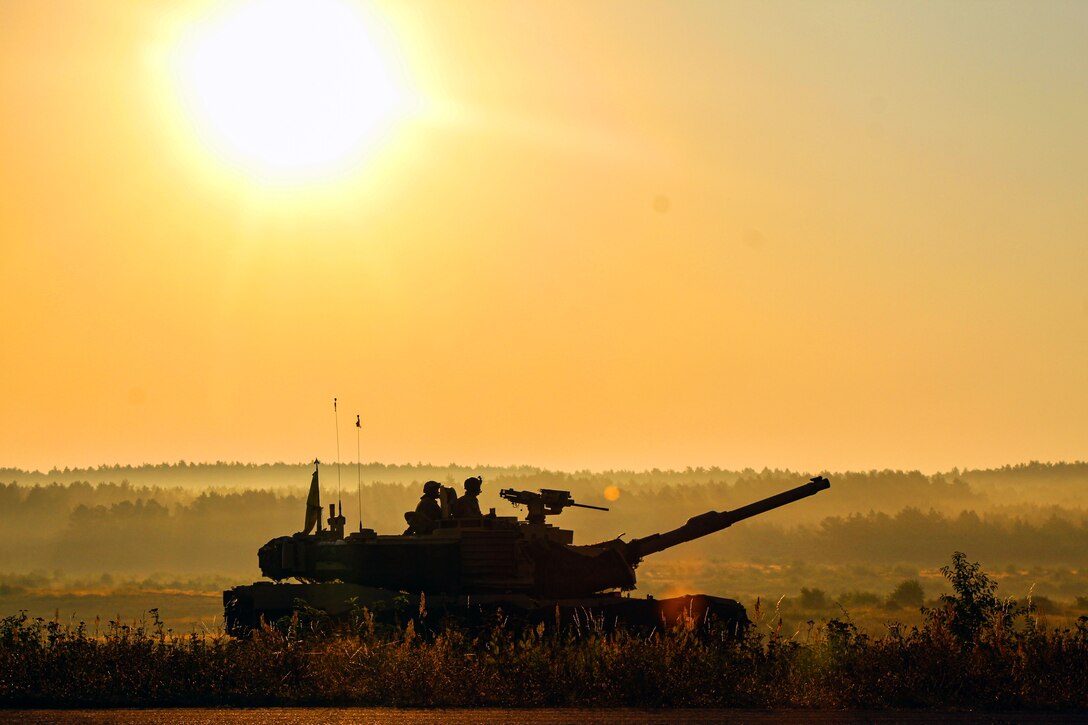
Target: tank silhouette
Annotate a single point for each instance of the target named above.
(527, 567)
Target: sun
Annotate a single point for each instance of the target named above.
(286, 89)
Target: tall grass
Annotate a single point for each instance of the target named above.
(973, 650)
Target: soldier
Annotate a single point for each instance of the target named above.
(468, 506)
(427, 513)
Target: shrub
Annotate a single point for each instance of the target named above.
(813, 599)
(974, 606)
(908, 594)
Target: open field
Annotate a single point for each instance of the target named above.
(972, 649)
(117, 541)
(792, 595)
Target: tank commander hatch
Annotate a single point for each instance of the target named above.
(428, 512)
(468, 506)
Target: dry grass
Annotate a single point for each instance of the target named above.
(970, 651)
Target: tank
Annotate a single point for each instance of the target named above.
(529, 568)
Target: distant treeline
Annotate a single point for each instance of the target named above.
(144, 524)
(1063, 484)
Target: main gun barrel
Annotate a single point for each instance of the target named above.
(711, 521)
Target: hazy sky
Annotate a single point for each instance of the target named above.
(593, 234)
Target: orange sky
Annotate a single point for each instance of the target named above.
(606, 234)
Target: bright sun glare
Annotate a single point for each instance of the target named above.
(287, 89)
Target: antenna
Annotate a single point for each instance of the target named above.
(359, 461)
(315, 492)
(337, 416)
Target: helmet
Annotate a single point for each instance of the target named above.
(431, 487)
(473, 484)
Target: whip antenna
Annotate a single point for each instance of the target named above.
(359, 461)
(337, 417)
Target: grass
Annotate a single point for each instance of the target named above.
(970, 650)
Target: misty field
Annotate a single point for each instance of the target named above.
(114, 542)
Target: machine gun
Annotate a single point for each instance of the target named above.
(546, 503)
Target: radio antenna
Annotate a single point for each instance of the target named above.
(336, 415)
(359, 461)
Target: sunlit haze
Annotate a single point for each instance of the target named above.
(285, 88)
(816, 235)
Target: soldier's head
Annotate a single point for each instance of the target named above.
(473, 484)
(431, 489)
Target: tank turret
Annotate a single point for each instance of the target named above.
(515, 564)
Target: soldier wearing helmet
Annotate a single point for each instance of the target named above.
(427, 513)
(468, 506)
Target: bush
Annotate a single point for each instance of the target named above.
(973, 609)
(813, 599)
(908, 594)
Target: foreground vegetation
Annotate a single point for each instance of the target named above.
(972, 650)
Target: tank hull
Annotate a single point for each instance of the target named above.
(248, 607)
